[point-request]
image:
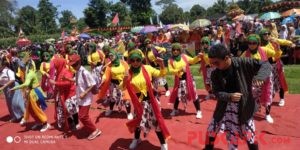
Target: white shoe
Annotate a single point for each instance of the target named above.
(269, 119)
(45, 127)
(134, 143)
(164, 147)
(174, 112)
(130, 116)
(168, 93)
(108, 112)
(281, 102)
(22, 123)
(199, 114)
(78, 126)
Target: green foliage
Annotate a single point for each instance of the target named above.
(253, 6)
(218, 9)
(197, 12)
(95, 13)
(81, 24)
(11, 41)
(140, 11)
(7, 22)
(172, 14)
(164, 3)
(123, 11)
(46, 17)
(67, 19)
(26, 20)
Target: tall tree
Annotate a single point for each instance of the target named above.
(218, 9)
(172, 14)
(164, 3)
(197, 12)
(7, 22)
(124, 14)
(47, 14)
(81, 24)
(253, 6)
(95, 13)
(141, 11)
(66, 20)
(26, 19)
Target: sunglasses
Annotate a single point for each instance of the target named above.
(204, 43)
(252, 43)
(175, 49)
(135, 60)
(266, 34)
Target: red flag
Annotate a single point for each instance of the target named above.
(116, 19)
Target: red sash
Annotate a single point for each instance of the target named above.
(266, 93)
(139, 109)
(189, 82)
(204, 73)
(279, 67)
(263, 55)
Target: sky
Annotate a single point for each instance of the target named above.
(77, 6)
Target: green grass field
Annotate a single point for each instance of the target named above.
(292, 73)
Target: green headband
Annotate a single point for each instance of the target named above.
(92, 46)
(131, 45)
(46, 54)
(206, 39)
(253, 38)
(263, 31)
(147, 41)
(136, 54)
(176, 46)
(105, 48)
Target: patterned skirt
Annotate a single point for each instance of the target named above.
(231, 126)
(60, 117)
(276, 80)
(258, 93)
(148, 121)
(182, 91)
(115, 95)
(209, 70)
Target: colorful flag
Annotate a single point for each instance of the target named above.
(115, 21)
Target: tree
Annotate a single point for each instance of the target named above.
(46, 17)
(81, 24)
(95, 13)
(124, 14)
(164, 3)
(218, 9)
(26, 19)
(253, 6)
(172, 14)
(197, 12)
(141, 11)
(66, 19)
(187, 17)
(7, 22)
